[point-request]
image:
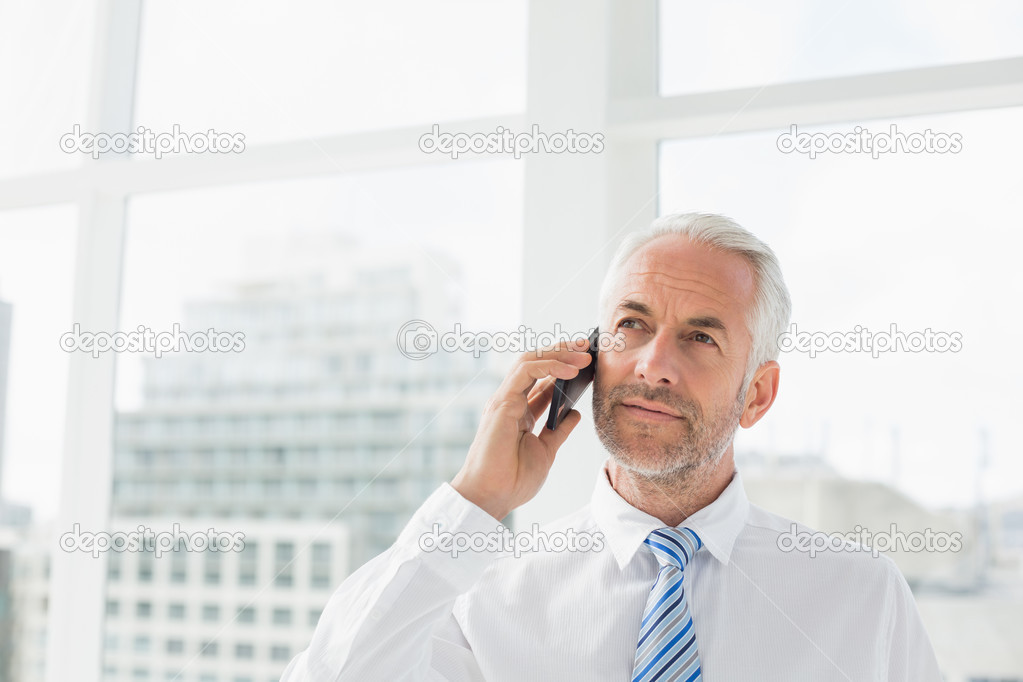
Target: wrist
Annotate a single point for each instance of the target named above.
(487, 504)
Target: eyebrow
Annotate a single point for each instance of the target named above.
(701, 322)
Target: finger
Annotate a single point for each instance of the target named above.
(556, 438)
(540, 397)
(575, 353)
(522, 379)
(574, 345)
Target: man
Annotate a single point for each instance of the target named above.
(684, 579)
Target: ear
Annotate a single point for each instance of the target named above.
(761, 394)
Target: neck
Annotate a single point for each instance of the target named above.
(672, 499)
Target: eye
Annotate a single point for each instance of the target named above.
(704, 338)
(627, 321)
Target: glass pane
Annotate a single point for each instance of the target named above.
(37, 264)
(305, 437)
(916, 239)
(274, 71)
(735, 44)
(924, 439)
(45, 57)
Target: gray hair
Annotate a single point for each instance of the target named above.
(769, 315)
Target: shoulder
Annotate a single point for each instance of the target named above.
(816, 555)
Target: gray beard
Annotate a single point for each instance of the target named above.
(683, 464)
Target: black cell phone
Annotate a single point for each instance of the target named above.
(567, 391)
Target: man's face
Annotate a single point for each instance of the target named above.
(682, 310)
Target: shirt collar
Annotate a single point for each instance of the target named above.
(625, 527)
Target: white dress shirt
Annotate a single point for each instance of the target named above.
(760, 613)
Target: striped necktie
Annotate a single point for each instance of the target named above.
(666, 651)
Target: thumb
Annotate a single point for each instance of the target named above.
(556, 438)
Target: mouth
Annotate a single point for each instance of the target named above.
(645, 409)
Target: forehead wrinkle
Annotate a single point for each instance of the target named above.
(688, 257)
(695, 280)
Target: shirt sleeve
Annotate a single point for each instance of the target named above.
(392, 619)
(910, 654)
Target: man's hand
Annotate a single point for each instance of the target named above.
(507, 464)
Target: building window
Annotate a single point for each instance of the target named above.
(179, 567)
(211, 574)
(283, 555)
(208, 649)
(243, 651)
(143, 609)
(246, 614)
(141, 644)
(282, 617)
(113, 608)
(210, 612)
(145, 568)
(320, 573)
(175, 646)
(280, 652)
(176, 611)
(247, 562)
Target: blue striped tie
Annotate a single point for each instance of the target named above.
(666, 650)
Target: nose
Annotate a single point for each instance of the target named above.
(658, 361)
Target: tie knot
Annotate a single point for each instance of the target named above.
(674, 546)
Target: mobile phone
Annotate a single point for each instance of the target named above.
(567, 391)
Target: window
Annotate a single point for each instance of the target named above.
(175, 646)
(282, 616)
(211, 574)
(143, 610)
(280, 653)
(208, 649)
(243, 651)
(61, 36)
(247, 563)
(196, 85)
(246, 614)
(145, 567)
(801, 205)
(254, 247)
(210, 612)
(283, 566)
(179, 567)
(797, 40)
(320, 577)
